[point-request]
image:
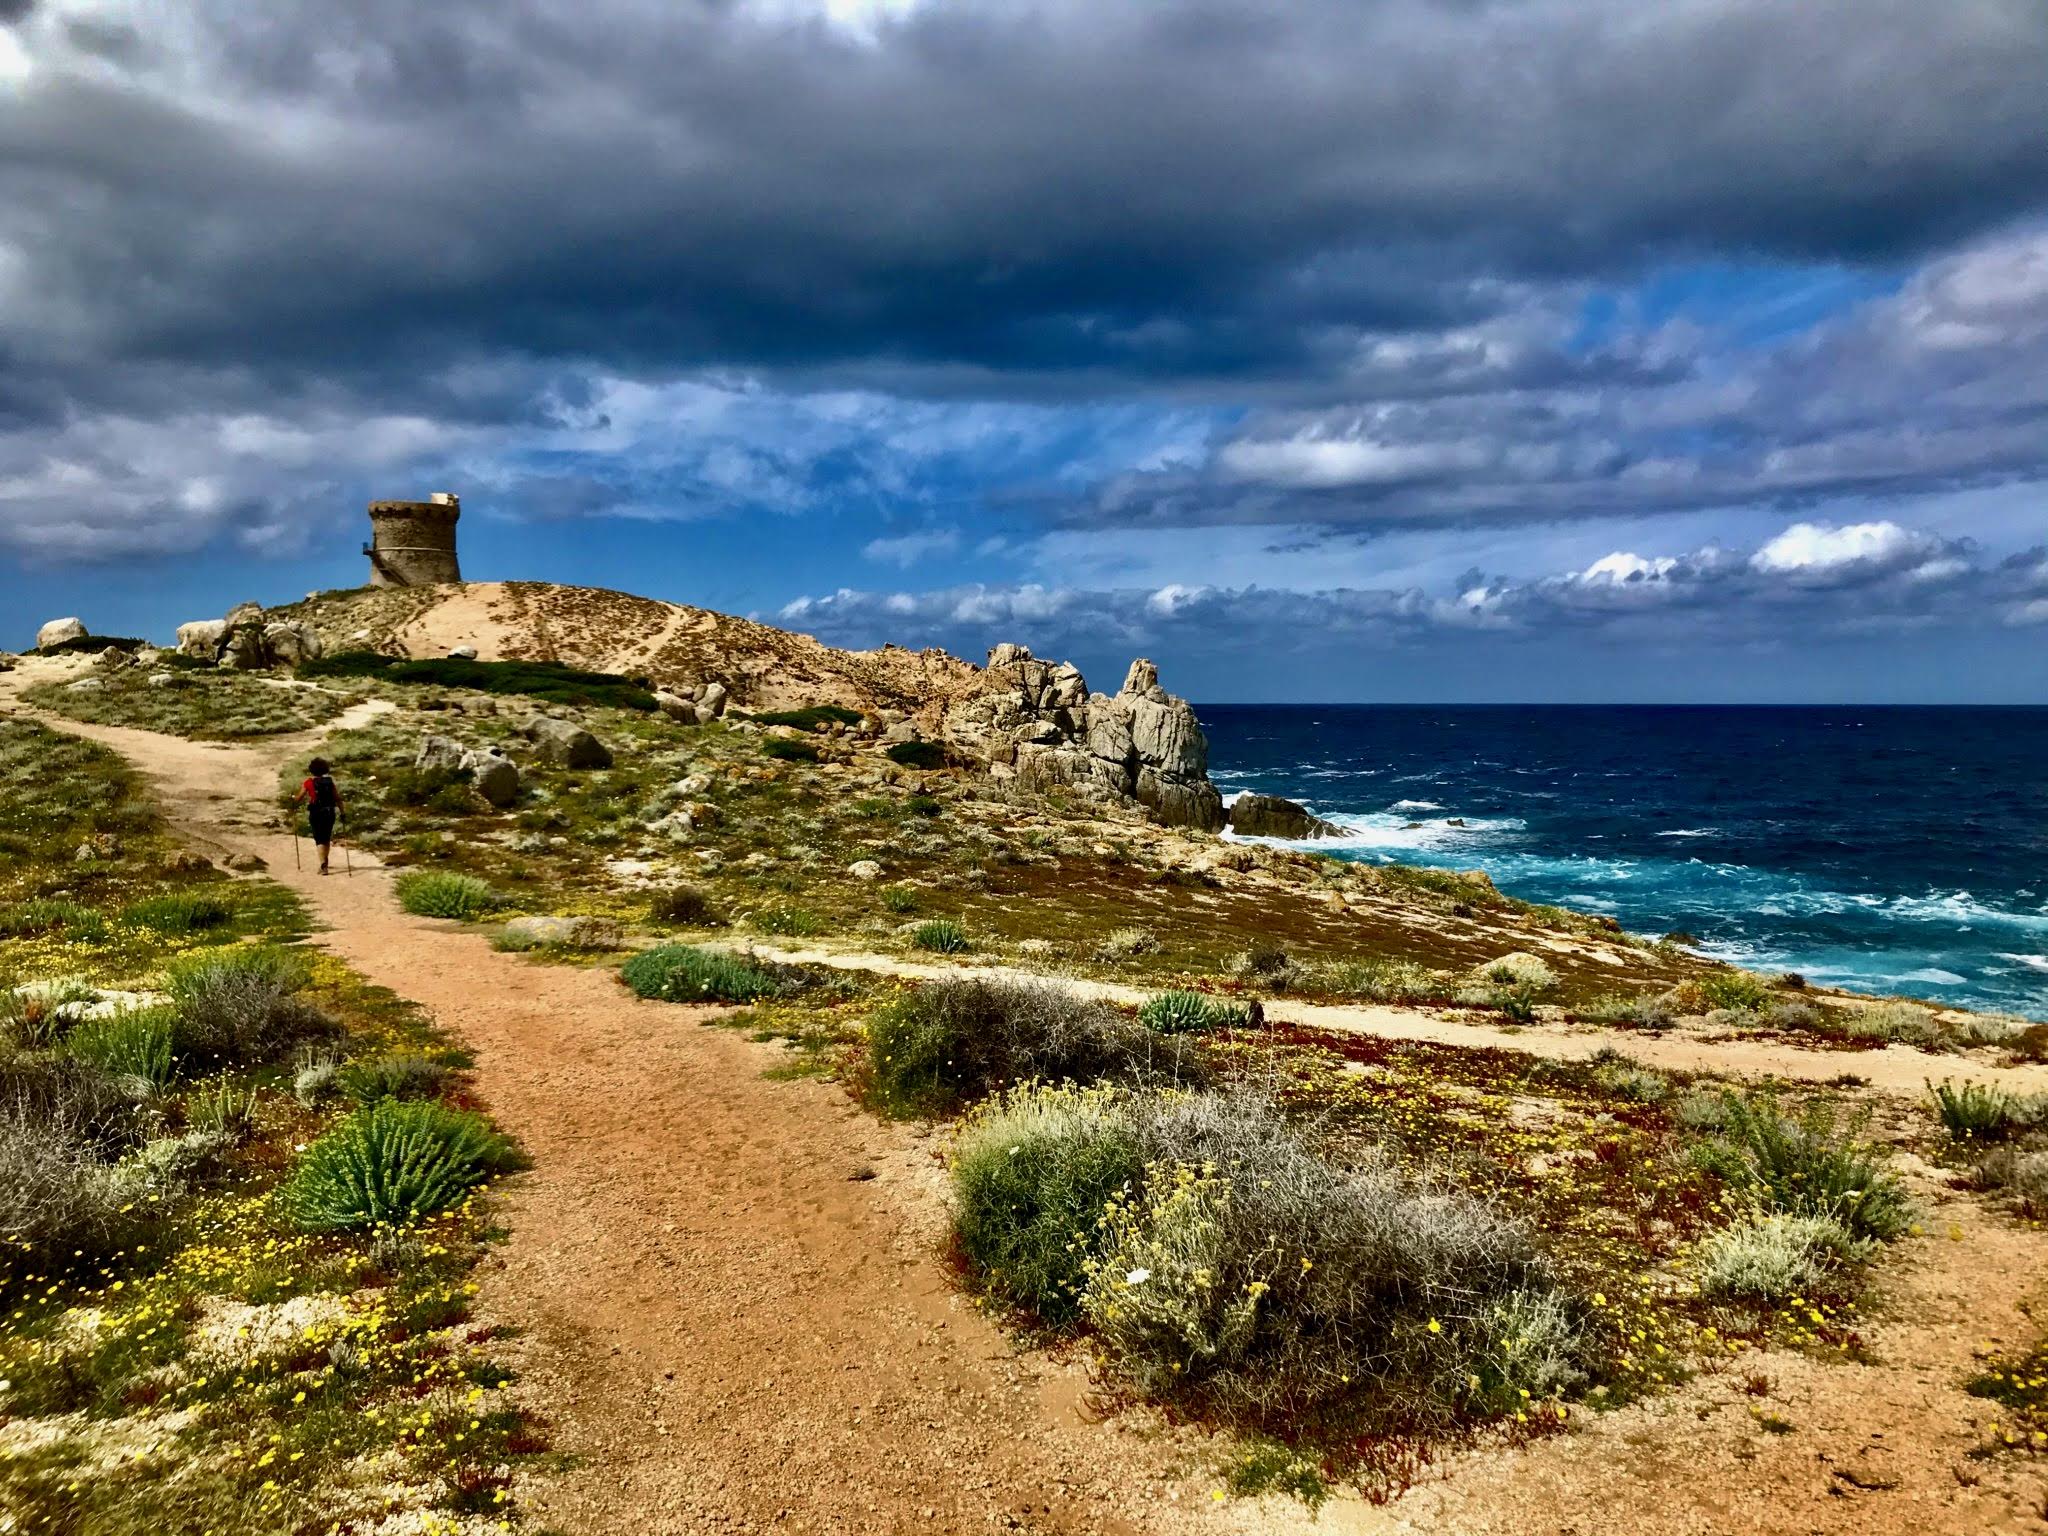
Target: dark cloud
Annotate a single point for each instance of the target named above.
(370, 235)
(15, 10)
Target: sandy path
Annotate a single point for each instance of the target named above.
(734, 1333)
(1898, 1070)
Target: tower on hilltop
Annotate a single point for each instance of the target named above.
(412, 543)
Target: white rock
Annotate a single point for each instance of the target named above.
(59, 632)
(462, 653)
(865, 869)
(201, 638)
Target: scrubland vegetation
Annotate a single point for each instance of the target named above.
(237, 1223)
(205, 705)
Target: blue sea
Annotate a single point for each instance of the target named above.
(1886, 849)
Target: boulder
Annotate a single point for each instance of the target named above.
(202, 638)
(676, 706)
(462, 653)
(86, 685)
(565, 932)
(1180, 802)
(246, 649)
(1271, 816)
(566, 744)
(113, 657)
(713, 698)
(243, 613)
(290, 643)
(494, 776)
(164, 680)
(244, 863)
(865, 869)
(59, 632)
(439, 754)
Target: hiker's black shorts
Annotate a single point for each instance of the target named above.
(322, 817)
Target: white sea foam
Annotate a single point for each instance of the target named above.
(1382, 832)
(2031, 962)
(1692, 832)
(1414, 805)
(1934, 975)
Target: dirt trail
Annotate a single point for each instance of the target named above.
(736, 1332)
(1898, 1070)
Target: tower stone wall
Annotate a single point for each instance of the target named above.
(412, 543)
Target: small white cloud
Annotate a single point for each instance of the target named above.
(1171, 598)
(1622, 566)
(1324, 463)
(1819, 547)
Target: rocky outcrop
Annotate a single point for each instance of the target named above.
(201, 639)
(59, 632)
(1036, 720)
(1270, 816)
(692, 703)
(491, 773)
(290, 643)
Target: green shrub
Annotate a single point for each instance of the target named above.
(1625, 1079)
(1127, 944)
(940, 935)
(392, 1162)
(1740, 990)
(1379, 980)
(1770, 1258)
(222, 1112)
(1642, 1010)
(53, 915)
(923, 805)
(136, 1046)
(922, 755)
(60, 1201)
(35, 1017)
(1973, 1112)
(549, 680)
(790, 922)
(785, 750)
(1253, 1277)
(234, 1007)
(683, 906)
(1511, 983)
(1810, 1166)
(94, 644)
(405, 1076)
(809, 718)
(439, 893)
(899, 899)
(1183, 1013)
(178, 912)
(1891, 1021)
(1703, 1109)
(1032, 1177)
(949, 1042)
(679, 973)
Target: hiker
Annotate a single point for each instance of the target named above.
(323, 803)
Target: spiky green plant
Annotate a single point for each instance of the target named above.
(438, 893)
(1972, 1111)
(178, 912)
(1186, 1013)
(394, 1162)
(136, 1044)
(940, 935)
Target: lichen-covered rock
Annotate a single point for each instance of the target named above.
(494, 776)
(566, 744)
(865, 869)
(438, 754)
(59, 632)
(1271, 816)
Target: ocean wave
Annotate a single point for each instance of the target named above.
(1414, 805)
(2028, 962)
(1692, 832)
(1379, 832)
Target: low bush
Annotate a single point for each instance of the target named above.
(2029, 1044)
(1626, 1079)
(1380, 980)
(942, 936)
(35, 1017)
(1809, 1166)
(786, 922)
(222, 1112)
(1186, 1013)
(679, 973)
(1771, 1258)
(784, 750)
(549, 680)
(1268, 965)
(683, 906)
(1739, 990)
(1973, 1112)
(923, 805)
(392, 1162)
(137, 1046)
(236, 1007)
(950, 1042)
(178, 912)
(439, 893)
(899, 899)
(60, 1201)
(1127, 944)
(405, 1076)
(922, 755)
(810, 717)
(1032, 1174)
(1703, 1109)
(1891, 1022)
(1253, 1276)
(1641, 1010)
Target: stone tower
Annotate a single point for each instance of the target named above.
(412, 543)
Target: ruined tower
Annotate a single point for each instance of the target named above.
(412, 543)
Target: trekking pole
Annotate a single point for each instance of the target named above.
(297, 862)
(348, 863)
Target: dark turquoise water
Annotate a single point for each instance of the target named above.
(1893, 849)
